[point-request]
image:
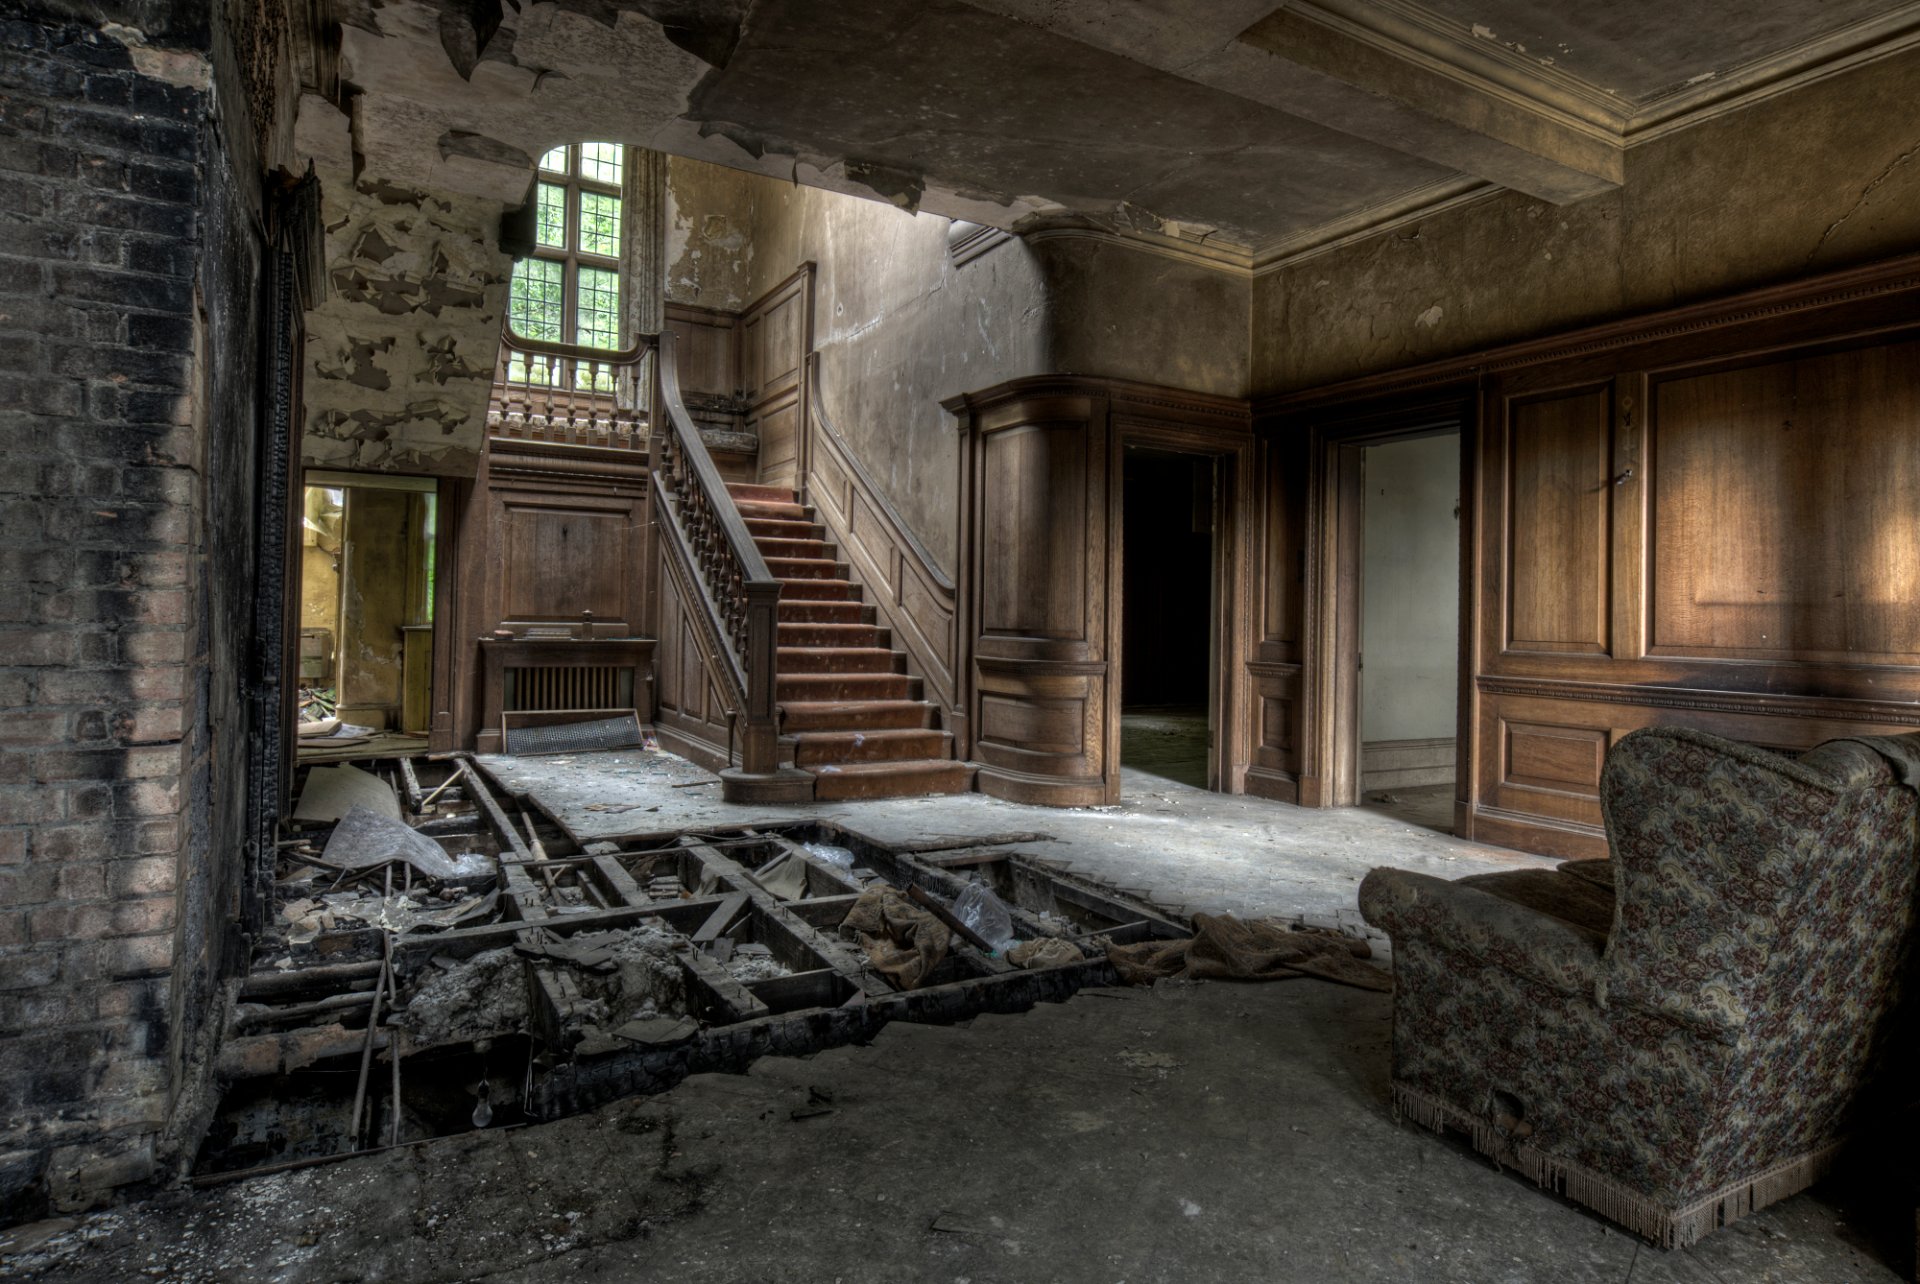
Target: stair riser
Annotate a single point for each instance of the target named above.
(762, 528)
(858, 635)
(908, 782)
(854, 717)
(836, 660)
(806, 549)
(762, 494)
(805, 568)
(818, 591)
(795, 611)
(871, 746)
(874, 686)
(754, 510)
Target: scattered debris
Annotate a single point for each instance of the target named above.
(331, 792)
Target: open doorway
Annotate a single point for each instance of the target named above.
(1168, 615)
(367, 573)
(1409, 627)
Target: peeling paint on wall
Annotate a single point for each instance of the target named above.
(401, 355)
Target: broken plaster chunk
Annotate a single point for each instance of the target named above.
(659, 1029)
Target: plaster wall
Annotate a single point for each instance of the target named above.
(400, 355)
(897, 324)
(900, 326)
(1815, 179)
(1410, 591)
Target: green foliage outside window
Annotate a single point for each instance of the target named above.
(571, 282)
(536, 298)
(599, 224)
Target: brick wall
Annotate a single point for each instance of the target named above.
(110, 661)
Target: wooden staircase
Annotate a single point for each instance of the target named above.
(853, 715)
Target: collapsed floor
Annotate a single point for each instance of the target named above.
(574, 933)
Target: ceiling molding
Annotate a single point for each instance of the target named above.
(1418, 35)
(1837, 52)
(1241, 261)
(1399, 211)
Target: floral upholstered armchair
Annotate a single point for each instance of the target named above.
(1686, 1032)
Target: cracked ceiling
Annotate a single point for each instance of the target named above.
(1233, 128)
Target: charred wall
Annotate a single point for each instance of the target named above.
(130, 262)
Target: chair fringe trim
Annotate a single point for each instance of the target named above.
(1669, 1227)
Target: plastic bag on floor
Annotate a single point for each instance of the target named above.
(985, 913)
(838, 857)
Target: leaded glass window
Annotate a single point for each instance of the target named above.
(569, 289)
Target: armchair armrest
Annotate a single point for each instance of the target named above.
(1538, 946)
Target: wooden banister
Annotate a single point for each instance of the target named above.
(564, 394)
(734, 589)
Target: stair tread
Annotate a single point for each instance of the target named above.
(901, 767)
(877, 733)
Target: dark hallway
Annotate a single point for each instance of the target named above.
(1167, 615)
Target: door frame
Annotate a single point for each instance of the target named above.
(1330, 714)
(1229, 711)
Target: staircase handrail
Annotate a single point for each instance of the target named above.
(738, 594)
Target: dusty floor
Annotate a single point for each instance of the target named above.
(1188, 1133)
(1168, 743)
(1179, 847)
(1428, 806)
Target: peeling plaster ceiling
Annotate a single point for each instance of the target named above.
(1228, 124)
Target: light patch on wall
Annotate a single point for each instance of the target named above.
(1430, 318)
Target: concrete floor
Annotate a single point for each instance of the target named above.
(1181, 848)
(1187, 1133)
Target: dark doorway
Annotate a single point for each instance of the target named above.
(1167, 615)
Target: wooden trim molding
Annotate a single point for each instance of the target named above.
(1881, 282)
(1697, 700)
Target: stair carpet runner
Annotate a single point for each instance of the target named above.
(854, 716)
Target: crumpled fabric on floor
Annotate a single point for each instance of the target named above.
(903, 942)
(1225, 948)
(1045, 951)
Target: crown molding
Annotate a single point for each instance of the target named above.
(1419, 36)
(1835, 53)
(1395, 212)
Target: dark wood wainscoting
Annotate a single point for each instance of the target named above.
(1709, 517)
(546, 532)
(776, 334)
(1041, 561)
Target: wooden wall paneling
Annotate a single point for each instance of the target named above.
(1038, 580)
(1274, 666)
(776, 336)
(543, 532)
(1783, 512)
(691, 719)
(706, 350)
(911, 596)
(560, 555)
(1745, 561)
(1474, 480)
(1041, 559)
(1559, 471)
